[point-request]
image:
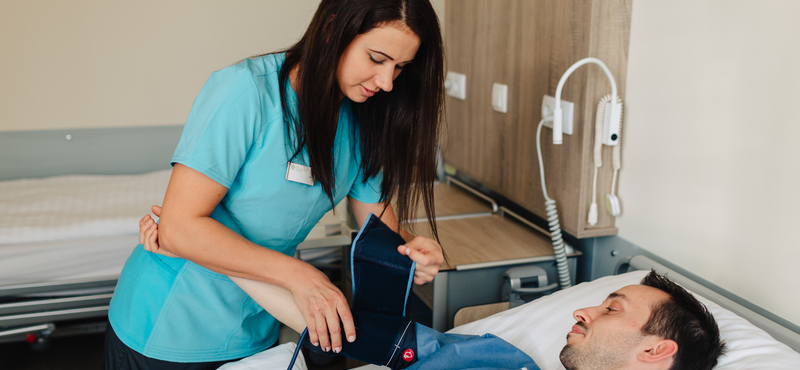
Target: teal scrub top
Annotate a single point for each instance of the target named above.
(174, 310)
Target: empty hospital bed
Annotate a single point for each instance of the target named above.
(70, 201)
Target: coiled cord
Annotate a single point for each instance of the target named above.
(552, 218)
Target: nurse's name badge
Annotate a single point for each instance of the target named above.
(299, 173)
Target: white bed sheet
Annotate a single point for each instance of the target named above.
(72, 259)
(277, 358)
(69, 227)
(76, 207)
(539, 328)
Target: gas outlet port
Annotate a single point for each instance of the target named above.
(567, 109)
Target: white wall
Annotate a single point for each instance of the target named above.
(711, 148)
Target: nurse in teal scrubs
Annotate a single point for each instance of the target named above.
(272, 143)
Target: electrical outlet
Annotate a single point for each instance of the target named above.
(567, 109)
(456, 85)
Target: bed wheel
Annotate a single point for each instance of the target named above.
(40, 341)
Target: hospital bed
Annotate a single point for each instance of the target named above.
(70, 201)
(539, 328)
(754, 341)
(63, 242)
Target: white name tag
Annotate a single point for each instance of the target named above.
(299, 173)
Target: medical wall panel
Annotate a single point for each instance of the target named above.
(528, 45)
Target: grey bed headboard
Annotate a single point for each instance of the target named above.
(777, 331)
(96, 151)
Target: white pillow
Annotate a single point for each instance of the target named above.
(539, 328)
(276, 358)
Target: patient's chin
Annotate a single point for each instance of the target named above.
(593, 357)
(569, 357)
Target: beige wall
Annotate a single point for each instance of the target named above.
(94, 63)
(711, 161)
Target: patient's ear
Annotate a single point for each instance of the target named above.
(659, 350)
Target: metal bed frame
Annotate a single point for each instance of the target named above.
(34, 311)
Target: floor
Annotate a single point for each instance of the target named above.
(66, 353)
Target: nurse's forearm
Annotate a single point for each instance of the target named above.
(210, 244)
(278, 301)
(187, 230)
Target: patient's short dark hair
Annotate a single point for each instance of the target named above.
(685, 320)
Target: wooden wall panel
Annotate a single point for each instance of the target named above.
(527, 45)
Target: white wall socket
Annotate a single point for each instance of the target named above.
(567, 109)
(456, 85)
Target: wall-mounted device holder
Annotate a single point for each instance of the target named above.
(612, 118)
(608, 124)
(612, 201)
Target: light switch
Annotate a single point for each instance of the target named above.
(500, 98)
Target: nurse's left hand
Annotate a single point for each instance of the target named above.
(427, 253)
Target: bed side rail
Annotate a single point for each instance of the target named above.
(52, 316)
(60, 287)
(44, 305)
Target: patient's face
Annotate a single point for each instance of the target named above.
(608, 336)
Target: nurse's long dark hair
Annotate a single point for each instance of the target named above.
(399, 130)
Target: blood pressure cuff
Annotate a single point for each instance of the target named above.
(381, 339)
(382, 277)
(382, 280)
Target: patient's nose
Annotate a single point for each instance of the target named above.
(583, 315)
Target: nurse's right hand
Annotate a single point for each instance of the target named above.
(148, 234)
(322, 305)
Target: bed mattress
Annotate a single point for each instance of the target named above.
(69, 227)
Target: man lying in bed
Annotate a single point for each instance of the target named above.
(654, 325)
